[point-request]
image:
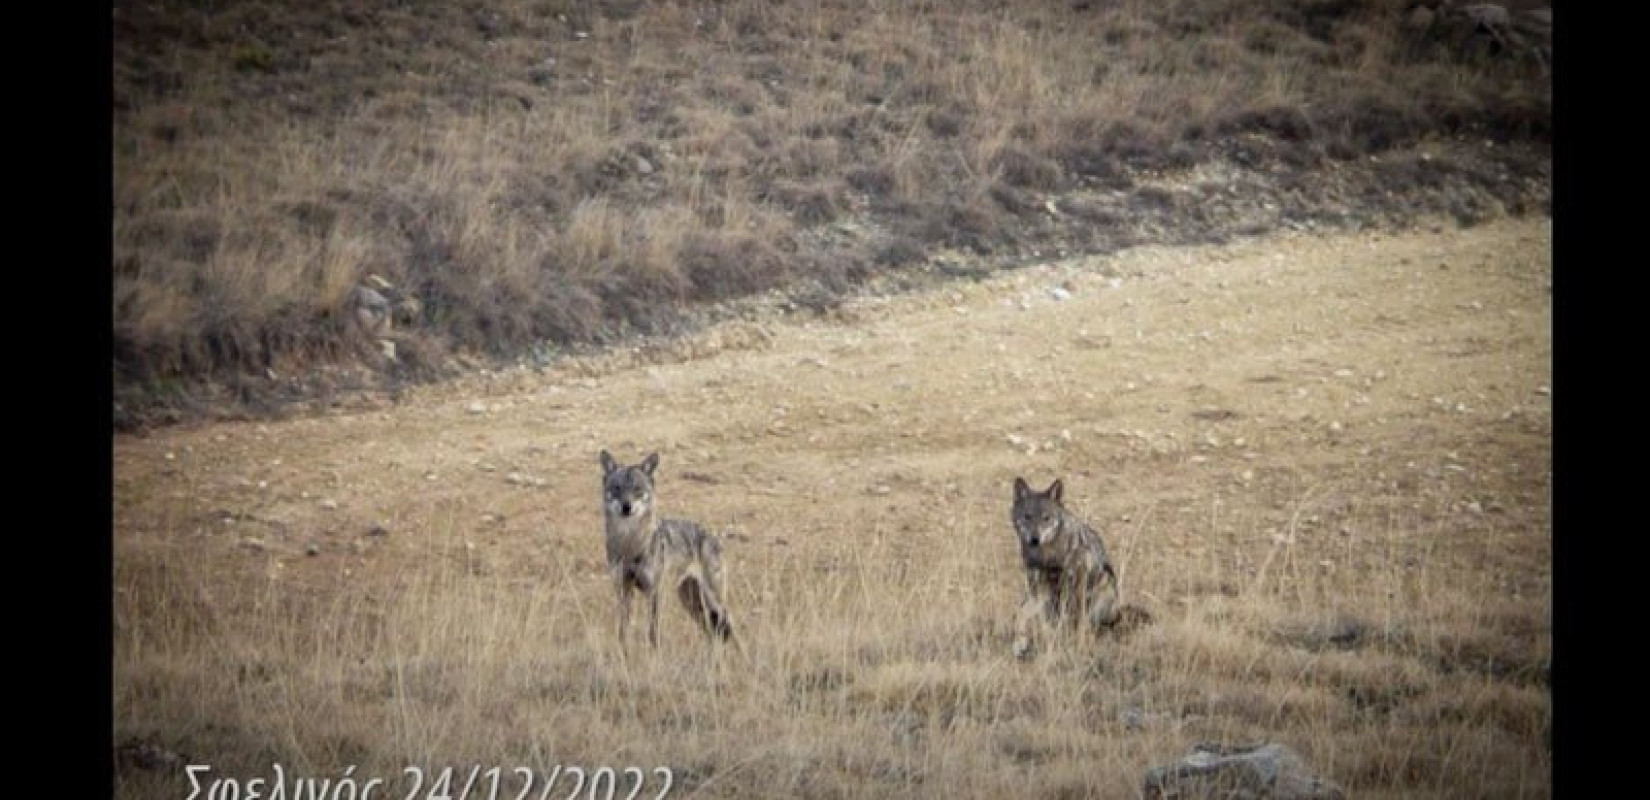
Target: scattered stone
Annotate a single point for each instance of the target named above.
(312, 550)
(372, 310)
(330, 505)
(1211, 770)
(477, 408)
(1059, 293)
(378, 530)
(149, 756)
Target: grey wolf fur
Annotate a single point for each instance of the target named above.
(1068, 576)
(645, 553)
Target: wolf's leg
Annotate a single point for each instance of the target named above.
(1034, 615)
(1103, 600)
(622, 604)
(653, 616)
(710, 556)
(701, 602)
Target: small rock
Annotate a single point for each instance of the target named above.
(149, 756)
(477, 408)
(643, 166)
(330, 505)
(378, 530)
(1059, 293)
(1211, 770)
(312, 550)
(1543, 390)
(1475, 508)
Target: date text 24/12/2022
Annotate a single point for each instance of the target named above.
(560, 782)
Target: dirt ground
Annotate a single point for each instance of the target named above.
(1274, 436)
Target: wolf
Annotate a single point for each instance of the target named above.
(645, 553)
(1068, 576)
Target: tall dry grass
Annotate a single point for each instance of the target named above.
(877, 664)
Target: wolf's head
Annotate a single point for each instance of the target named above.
(627, 492)
(1036, 514)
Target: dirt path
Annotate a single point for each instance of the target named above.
(1334, 407)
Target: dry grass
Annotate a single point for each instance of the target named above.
(572, 172)
(444, 667)
(1277, 464)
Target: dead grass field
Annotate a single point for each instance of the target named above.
(1322, 463)
(550, 173)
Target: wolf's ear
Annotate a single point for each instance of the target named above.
(1054, 490)
(650, 464)
(1021, 489)
(607, 462)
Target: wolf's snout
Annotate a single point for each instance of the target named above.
(624, 508)
(1032, 540)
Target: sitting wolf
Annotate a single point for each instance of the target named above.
(1068, 576)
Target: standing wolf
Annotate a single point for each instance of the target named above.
(1068, 576)
(644, 552)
